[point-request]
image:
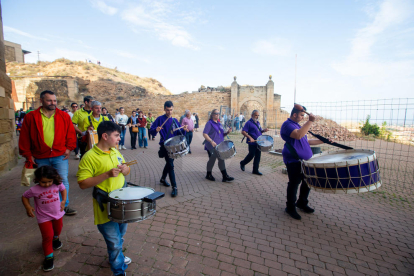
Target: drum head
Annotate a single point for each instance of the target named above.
(265, 141)
(173, 141)
(225, 146)
(341, 158)
(131, 193)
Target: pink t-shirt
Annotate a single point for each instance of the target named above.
(189, 123)
(47, 202)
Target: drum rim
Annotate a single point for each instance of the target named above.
(169, 139)
(367, 159)
(225, 141)
(351, 190)
(120, 199)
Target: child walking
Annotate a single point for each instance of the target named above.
(48, 209)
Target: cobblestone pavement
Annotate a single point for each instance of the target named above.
(215, 228)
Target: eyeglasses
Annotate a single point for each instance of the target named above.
(75, 106)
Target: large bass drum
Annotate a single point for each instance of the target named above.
(226, 150)
(343, 172)
(132, 204)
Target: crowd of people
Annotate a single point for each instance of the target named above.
(48, 135)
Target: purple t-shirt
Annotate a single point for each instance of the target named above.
(301, 146)
(47, 202)
(215, 131)
(164, 131)
(251, 128)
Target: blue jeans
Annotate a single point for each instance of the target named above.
(189, 138)
(122, 142)
(142, 137)
(113, 234)
(62, 167)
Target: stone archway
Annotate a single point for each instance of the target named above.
(247, 108)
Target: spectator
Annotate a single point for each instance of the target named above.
(74, 107)
(181, 118)
(150, 120)
(81, 106)
(105, 113)
(187, 121)
(193, 117)
(132, 122)
(22, 114)
(121, 119)
(197, 121)
(47, 137)
(117, 112)
(95, 118)
(142, 136)
(78, 120)
(237, 121)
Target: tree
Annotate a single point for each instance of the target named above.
(368, 128)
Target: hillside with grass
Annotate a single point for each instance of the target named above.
(83, 70)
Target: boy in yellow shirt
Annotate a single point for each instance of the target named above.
(101, 168)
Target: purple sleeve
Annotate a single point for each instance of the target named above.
(207, 128)
(28, 193)
(246, 126)
(286, 130)
(61, 187)
(153, 129)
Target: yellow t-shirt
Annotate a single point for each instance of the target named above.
(94, 163)
(95, 123)
(48, 128)
(79, 118)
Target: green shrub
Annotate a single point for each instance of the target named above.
(368, 128)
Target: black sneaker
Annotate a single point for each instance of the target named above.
(70, 212)
(293, 213)
(165, 183)
(242, 166)
(48, 264)
(305, 208)
(57, 244)
(174, 192)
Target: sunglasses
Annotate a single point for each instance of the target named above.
(216, 113)
(75, 106)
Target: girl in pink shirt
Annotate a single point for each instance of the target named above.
(48, 209)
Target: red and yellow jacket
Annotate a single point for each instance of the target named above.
(31, 142)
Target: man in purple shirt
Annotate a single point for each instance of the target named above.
(187, 121)
(166, 132)
(252, 130)
(297, 147)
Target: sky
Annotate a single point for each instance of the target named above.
(346, 50)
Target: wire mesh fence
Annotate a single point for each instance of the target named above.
(385, 126)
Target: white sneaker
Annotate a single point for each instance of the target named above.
(123, 147)
(127, 260)
(77, 157)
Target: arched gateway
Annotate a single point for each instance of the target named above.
(245, 99)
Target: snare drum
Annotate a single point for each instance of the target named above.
(132, 204)
(343, 172)
(176, 146)
(225, 150)
(265, 143)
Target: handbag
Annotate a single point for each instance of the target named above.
(135, 129)
(28, 173)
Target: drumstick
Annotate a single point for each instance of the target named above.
(133, 162)
(300, 108)
(323, 139)
(165, 121)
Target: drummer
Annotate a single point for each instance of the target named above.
(101, 168)
(214, 135)
(252, 130)
(297, 147)
(166, 132)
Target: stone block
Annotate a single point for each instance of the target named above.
(2, 92)
(4, 102)
(11, 113)
(6, 126)
(5, 137)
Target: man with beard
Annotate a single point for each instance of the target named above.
(47, 137)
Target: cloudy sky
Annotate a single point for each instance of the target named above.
(346, 50)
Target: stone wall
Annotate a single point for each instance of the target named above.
(200, 103)
(8, 139)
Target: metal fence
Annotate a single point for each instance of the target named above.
(385, 126)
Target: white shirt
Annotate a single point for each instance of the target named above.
(121, 119)
(193, 118)
(70, 114)
(241, 117)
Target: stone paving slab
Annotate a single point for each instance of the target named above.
(216, 228)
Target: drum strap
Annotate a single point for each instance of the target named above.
(90, 121)
(292, 151)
